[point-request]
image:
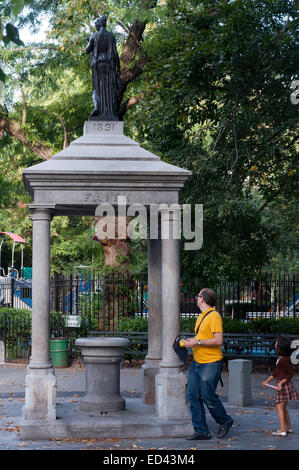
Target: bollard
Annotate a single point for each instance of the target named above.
(239, 383)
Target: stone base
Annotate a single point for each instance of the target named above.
(149, 372)
(102, 404)
(171, 395)
(137, 421)
(40, 395)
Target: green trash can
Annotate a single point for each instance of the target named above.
(59, 351)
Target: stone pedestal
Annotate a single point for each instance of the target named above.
(239, 388)
(171, 395)
(102, 357)
(40, 395)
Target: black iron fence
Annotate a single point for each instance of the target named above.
(87, 302)
(103, 299)
(111, 297)
(16, 293)
(269, 297)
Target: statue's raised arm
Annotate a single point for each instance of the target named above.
(105, 65)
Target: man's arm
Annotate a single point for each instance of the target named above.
(217, 340)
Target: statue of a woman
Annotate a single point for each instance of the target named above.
(105, 67)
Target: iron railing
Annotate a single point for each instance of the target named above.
(101, 301)
(268, 297)
(118, 295)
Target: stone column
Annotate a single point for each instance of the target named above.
(40, 383)
(152, 361)
(171, 380)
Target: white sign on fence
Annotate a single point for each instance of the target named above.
(73, 321)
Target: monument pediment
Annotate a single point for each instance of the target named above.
(100, 165)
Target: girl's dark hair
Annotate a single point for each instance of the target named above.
(283, 347)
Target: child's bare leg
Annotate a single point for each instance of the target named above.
(280, 413)
(287, 417)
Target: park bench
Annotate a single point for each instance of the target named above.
(235, 345)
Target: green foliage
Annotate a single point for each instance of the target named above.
(8, 32)
(16, 325)
(133, 324)
(217, 102)
(229, 326)
(214, 98)
(282, 220)
(261, 325)
(271, 326)
(71, 244)
(15, 311)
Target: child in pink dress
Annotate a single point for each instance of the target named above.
(286, 390)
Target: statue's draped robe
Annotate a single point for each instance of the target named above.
(105, 66)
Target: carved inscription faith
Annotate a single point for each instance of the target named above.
(110, 197)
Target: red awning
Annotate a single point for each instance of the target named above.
(13, 236)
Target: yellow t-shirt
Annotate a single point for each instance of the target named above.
(211, 324)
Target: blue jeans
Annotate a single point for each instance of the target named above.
(202, 383)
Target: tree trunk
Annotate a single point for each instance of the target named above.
(116, 251)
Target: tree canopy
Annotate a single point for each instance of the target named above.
(206, 87)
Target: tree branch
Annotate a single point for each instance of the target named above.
(64, 129)
(275, 193)
(33, 48)
(128, 104)
(24, 103)
(14, 129)
(237, 155)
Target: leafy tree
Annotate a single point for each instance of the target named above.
(217, 101)
(206, 87)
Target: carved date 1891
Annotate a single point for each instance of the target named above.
(104, 127)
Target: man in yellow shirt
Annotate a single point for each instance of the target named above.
(205, 369)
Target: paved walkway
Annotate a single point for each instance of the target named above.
(251, 430)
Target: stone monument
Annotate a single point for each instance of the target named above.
(98, 168)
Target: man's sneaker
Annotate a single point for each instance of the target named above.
(199, 437)
(223, 429)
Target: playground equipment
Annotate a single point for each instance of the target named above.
(15, 289)
(16, 239)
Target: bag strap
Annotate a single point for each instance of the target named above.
(197, 329)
